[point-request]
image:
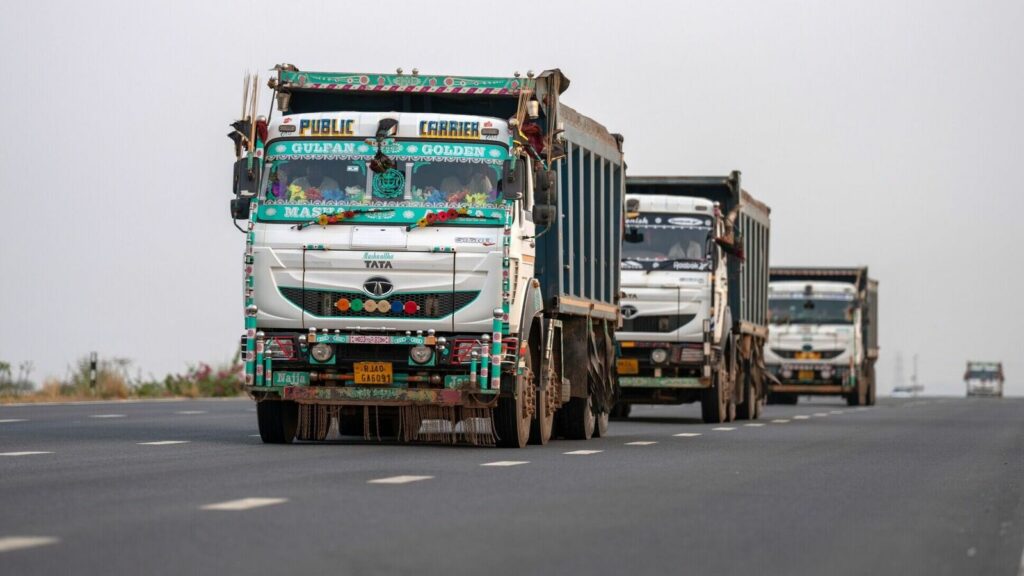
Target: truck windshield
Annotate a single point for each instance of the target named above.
(433, 181)
(667, 241)
(812, 310)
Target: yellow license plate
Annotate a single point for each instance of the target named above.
(805, 375)
(807, 355)
(628, 366)
(373, 373)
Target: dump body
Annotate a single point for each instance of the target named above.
(824, 332)
(984, 379)
(394, 269)
(695, 285)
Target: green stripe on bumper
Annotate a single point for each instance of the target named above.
(647, 382)
(387, 396)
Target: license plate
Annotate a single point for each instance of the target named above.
(628, 366)
(805, 375)
(373, 373)
(807, 355)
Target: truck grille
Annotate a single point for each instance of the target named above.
(322, 303)
(802, 355)
(669, 323)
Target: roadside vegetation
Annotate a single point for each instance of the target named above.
(118, 378)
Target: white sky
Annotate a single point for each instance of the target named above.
(883, 133)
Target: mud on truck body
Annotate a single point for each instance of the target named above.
(695, 286)
(424, 258)
(824, 334)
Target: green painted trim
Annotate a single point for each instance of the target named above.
(650, 382)
(386, 82)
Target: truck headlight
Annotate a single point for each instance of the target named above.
(322, 352)
(659, 355)
(421, 354)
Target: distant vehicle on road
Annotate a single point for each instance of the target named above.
(984, 379)
(824, 334)
(694, 305)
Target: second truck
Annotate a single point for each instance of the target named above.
(695, 289)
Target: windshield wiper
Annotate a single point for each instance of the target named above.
(338, 217)
(437, 218)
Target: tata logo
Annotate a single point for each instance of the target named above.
(378, 287)
(628, 311)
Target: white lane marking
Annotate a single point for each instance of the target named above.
(399, 479)
(190, 412)
(163, 443)
(22, 453)
(107, 416)
(801, 417)
(19, 542)
(780, 421)
(641, 443)
(687, 434)
(254, 436)
(861, 409)
(754, 425)
(583, 452)
(12, 420)
(724, 429)
(837, 412)
(820, 414)
(506, 463)
(243, 504)
(250, 409)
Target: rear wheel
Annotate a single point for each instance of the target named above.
(579, 418)
(871, 386)
(544, 418)
(601, 425)
(513, 415)
(748, 409)
(278, 421)
(621, 411)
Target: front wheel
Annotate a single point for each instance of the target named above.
(713, 404)
(513, 414)
(278, 421)
(544, 415)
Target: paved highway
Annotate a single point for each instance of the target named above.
(922, 486)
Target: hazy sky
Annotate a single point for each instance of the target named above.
(883, 133)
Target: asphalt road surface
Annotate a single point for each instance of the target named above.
(917, 486)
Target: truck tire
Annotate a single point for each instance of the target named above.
(278, 421)
(579, 420)
(871, 396)
(512, 417)
(544, 413)
(748, 409)
(713, 404)
(859, 396)
(601, 425)
(318, 425)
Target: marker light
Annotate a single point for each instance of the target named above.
(411, 307)
(396, 307)
(383, 306)
(343, 304)
(370, 306)
(357, 305)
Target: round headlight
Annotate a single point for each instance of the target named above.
(322, 352)
(421, 354)
(659, 355)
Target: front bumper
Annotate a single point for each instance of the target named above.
(382, 396)
(684, 367)
(811, 378)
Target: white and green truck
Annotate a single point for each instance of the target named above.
(423, 258)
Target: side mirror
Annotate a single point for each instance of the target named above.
(244, 180)
(544, 214)
(240, 207)
(633, 236)
(512, 181)
(546, 180)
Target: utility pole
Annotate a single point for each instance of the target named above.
(913, 378)
(93, 360)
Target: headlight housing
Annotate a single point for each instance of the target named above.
(322, 352)
(421, 354)
(659, 355)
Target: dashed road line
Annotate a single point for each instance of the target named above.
(583, 452)
(163, 443)
(399, 479)
(821, 414)
(243, 504)
(11, 543)
(837, 412)
(506, 463)
(12, 420)
(641, 443)
(780, 421)
(754, 425)
(254, 436)
(23, 453)
(107, 416)
(801, 417)
(724, 429)
(190, 412)
(687, 434)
